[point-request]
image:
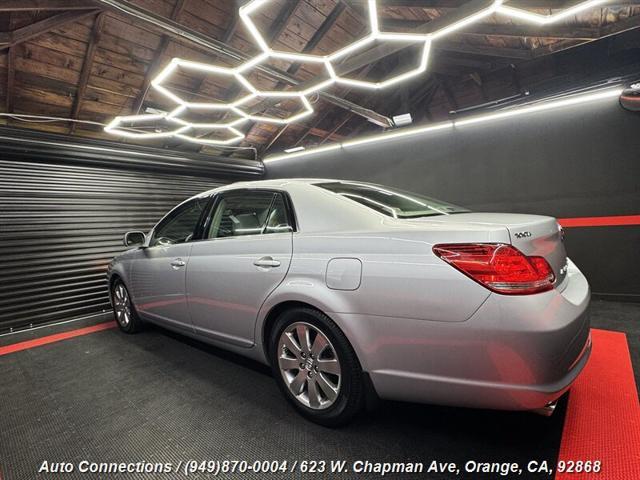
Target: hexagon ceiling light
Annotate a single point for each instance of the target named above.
(138, 126)
(160, 82)
(176, 124)
(230, 135)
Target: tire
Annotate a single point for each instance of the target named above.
(320, 376)
(123, 309)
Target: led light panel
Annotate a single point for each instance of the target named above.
(116, 127)
(239, 73)
(235, 137)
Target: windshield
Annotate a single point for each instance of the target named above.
(390, 201)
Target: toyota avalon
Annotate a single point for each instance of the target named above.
(352, 291)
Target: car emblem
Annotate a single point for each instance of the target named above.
(523, 234)
(564, 269)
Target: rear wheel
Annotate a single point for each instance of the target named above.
(125, 313)
(316, 367)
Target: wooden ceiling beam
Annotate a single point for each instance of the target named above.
(528, 4)
(11, 79)
(282, 20)
(421, 98)
(274, 138)
(466, 62)
(629, 23)
(30, 5)
(326, 25)
(328, 134)
(210, 44)
(235, 88)
(87, 65)
(156, 63)
(430, 85)
(385, 49)
(484, 50)
(416, 3)
(345, 92)
(317, 37)
(357, 61)
(334, 131)
(350, 115)
(231, 29)
(549, 31)
(58, 20)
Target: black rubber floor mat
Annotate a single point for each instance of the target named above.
(159, 397)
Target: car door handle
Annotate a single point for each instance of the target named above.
(178, 263)
(266, 262)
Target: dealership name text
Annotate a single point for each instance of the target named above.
(359, 466)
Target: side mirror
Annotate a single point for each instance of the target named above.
(134, 239)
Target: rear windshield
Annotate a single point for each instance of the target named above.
(390, 201)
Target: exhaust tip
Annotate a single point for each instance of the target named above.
(547, 410)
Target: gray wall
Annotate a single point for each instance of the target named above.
(580, 161)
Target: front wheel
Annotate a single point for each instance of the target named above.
(316, 367)
(126, 315)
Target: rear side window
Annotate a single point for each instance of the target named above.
(180, 225)
(248, 213)
(392, 202)
(278, 219)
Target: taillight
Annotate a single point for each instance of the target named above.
(499, 267)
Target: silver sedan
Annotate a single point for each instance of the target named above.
(352, 291)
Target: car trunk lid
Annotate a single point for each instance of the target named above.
(533, 235)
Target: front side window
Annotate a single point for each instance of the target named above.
(248, 213)
(180, 225)
(392, 202)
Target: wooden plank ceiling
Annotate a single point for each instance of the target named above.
(75, 59)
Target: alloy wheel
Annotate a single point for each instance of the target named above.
(122, 305)
(309, 365)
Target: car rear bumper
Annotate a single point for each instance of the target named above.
(425, 388)
(514, 353)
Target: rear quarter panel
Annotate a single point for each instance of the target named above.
(401, 277)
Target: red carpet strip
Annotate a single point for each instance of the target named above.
(603, 415)
(37, 342)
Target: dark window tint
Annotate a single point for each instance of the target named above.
(392, 202)
(180, 225)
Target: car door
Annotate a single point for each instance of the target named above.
(243, 256)
(158, 273)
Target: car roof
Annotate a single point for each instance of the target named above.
(275, 183)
